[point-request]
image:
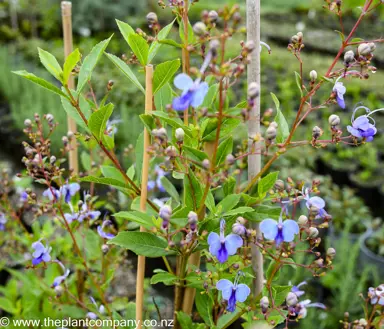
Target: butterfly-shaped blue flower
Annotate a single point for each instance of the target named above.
(223, 246)
(193, 94)
(279, 231)
(233, 292)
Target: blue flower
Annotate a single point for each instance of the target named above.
(41, 253)
(93, 315)
(193, 92)
(340, 90)
(3, 221)
(317, 202)
(52, 194)
(105, 235)
(60, 279)
(279, 231)
(296, 289)
(233, 292)
(223, 246)
(111, 128)
(23, 197)
(301, 307)
(152, 184)
(362, 126)
(69, 190)
(83, 213)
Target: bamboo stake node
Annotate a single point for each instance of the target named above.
(143, 195)
(66, 14)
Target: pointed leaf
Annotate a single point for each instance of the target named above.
(125, 29)
(51, 64)
(126, 70)
(70, 63)
(90, 63)
(98, 121)
(155, 46)
(164, 73)
(223, 150)
(139, 47)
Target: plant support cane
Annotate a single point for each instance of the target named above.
(254, 160)
(143, 196)
(66, 12)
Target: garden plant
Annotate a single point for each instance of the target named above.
(224, 225)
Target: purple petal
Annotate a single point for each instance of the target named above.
(214, 243)
(46, 257)
(354, 132)
(242, 292)
(317, 202)
(232, 243)
(199, 95)
(226, 287)
(183, 102)
(183, 82)
(93, 214)
(222, 253)
(340, 101)
(232, 302)
(36, 261)
(269, 228)
(151, 185)
(290, 228)
(362, 122)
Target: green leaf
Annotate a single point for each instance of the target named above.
(72, 111)
(7, 305)
(193, 191)
(164, 73)
(264, 211)
(138, 217)
(299, 83)
(173, 122)
(229, 186)
(341, 34)
(148, 121)
(276, 101)
(238, 211)
(139, 47)
(229, 202)
(164, 277)
(70, 63)
(51, 64)
(142, 243)
(191, 36)
(86, 161)
(171, 42)
(210, 202)
(125, 29)
(194, 154)
(227, 317)
(266, 183)
(211, 96)
(112, 172)
(105, 181)
(156, 45)
(280, 293)
(283, 128)
(41, 82)
(184, 320)
(98, 121)
(163, 97)
(204, 305)
(227, 127)
(223, 150)
(168, 186)
(90, 63)
(126, 70)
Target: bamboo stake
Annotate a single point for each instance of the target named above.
(143, 196)
(254, 160)
(66, 13)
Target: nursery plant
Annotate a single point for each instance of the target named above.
(225, 226)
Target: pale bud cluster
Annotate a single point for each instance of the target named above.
(271, 131)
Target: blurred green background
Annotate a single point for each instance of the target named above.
(352, 177)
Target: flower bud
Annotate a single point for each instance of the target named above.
(165, 212)
(161, 133)
(179, 133)
(366, 49)
(241, 220)
(152, 18)
(171, 151)
(316, 132)
(50, 117)
(303, 220)
(213, 16)
(279, 185)
(295, 39)
(192, 217)
(253, 90)
(331, 253)
(349, 57)
(65, 140)
(199, 28)
(271, 132)
(363, 322)
(104, 249)
(214, 45)
(70, 134)
(264, 303)
(27, 123)
(206, 164)
(334, 120)
(313, 232)
(313, 75)
(300, 35)
(249, 46)
(291, 299)
(59, 291)
(52, 160)
(239, 229)
(230, 159)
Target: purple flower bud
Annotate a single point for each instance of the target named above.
(291, 299)
(239, 229)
